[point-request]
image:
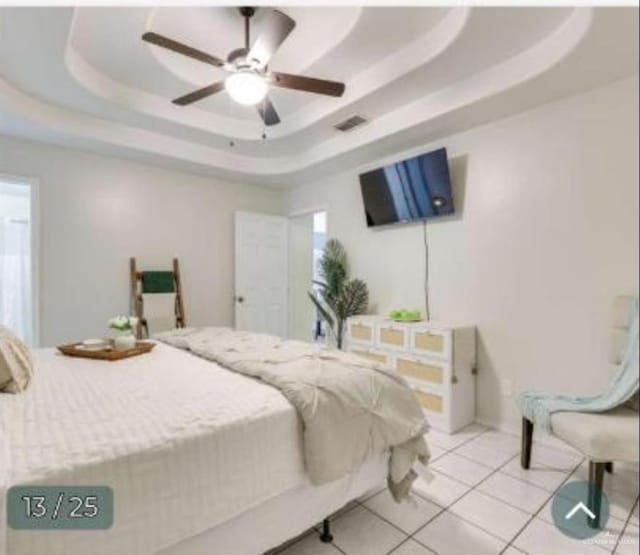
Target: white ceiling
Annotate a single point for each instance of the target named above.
(82, 77)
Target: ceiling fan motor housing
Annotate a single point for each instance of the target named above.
(238, 57)
(250, 77)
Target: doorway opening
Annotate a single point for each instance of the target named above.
(307, 238)
(17, 268)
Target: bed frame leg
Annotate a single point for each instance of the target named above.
(326, 536)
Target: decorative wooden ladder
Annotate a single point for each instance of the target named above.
(137, 305)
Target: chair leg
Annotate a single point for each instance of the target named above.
(596, 482)
(527, 439)
(609, 467)
(326, 536)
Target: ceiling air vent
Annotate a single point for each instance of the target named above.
(350, 123)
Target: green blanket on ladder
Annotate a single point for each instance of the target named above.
(538, 407)
(157, 282)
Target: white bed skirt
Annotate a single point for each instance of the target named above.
(285, 516)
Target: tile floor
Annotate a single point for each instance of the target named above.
(480, 502)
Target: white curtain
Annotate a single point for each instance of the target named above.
(15, 278)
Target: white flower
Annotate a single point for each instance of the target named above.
(123, 323)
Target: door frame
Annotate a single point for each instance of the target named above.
(34, 229)
(296, 214)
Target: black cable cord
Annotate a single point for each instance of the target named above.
(426, 271)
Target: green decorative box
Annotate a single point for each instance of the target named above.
(404, 315)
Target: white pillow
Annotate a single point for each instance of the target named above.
(16, 366)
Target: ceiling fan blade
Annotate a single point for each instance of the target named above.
(268, 112)
(199, 94)
(277, 27)
(309, 84)
(175, 46)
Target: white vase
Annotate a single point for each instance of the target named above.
(124, 342)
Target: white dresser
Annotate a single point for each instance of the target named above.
(438, 360)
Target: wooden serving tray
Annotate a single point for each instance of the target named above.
(76, 350)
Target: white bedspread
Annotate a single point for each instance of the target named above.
(184, 444)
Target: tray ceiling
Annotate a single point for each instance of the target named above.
(82, 77)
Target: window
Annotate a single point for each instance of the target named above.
(17, 299)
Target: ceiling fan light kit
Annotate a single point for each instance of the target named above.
(246, 87)
(250, 79)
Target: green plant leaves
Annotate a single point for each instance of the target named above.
(338, 297)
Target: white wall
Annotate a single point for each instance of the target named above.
(96, 212)
(546, 235)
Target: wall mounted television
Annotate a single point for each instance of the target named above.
(415, 189)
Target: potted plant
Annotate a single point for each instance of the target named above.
(338, 297)
(126, 325)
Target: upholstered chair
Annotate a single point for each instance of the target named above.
(603, 438)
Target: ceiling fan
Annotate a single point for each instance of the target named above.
(249, 75)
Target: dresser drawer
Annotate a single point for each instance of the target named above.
(435, 343)
(418, 369)
(361, 332)
(375, 356)
(430, 401)
(392, 337)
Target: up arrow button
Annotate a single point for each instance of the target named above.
(579, 507)
(574, 510)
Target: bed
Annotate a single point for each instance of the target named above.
(197, 455)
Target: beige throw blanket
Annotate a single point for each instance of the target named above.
(351, 408)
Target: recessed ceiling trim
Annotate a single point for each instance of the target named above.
(526, 66)
(416, 54)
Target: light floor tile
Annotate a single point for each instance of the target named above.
(472, 430)
(442, 490)
(408, 515)
(411, 547)
(629, 542)
(450, 441)
(483, 454)
(373, 491)
(462, 469)
(634, 515)
(621, 502)
(498, 441)
(448, 534)
(520, 494)
(310, 545)
(496, 517)
(622, 479)
(436, 451)
(443, 440)
(544, 477)
(552, 457)
(513, 551)
(542, 538)
(360, 532)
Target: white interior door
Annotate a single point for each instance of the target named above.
(261, 273)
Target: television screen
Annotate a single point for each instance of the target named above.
(413, 189)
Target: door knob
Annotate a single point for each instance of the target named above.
(239, 298)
